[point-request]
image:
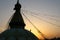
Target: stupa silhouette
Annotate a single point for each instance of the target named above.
(17, 25)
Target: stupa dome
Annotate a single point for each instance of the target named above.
(17, 34)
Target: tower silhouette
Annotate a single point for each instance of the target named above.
(17, 20)
(17, 25)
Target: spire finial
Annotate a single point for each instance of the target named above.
(17, 19)
(17, 1)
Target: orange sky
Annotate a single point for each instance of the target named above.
(47, 29)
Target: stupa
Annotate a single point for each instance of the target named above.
(17, 29)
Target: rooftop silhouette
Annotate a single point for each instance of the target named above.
(17, 29)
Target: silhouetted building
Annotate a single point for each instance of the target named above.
(17, 25)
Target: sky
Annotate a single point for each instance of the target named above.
(47, 12)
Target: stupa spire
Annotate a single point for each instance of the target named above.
(17, 1)
(17, 19)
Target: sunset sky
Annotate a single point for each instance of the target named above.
(47, 14)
